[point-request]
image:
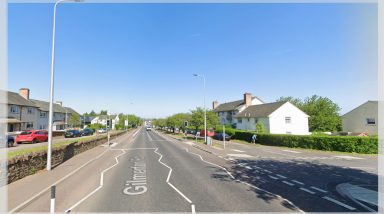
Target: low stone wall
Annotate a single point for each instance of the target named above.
(25, 165)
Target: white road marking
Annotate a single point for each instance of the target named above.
(245, 176)
(193, 209)
(267, 171)
(281, 176)
(100, 186)
(242, 164)
(291, 151)
(307, 190)
(236, 150)
(275, 178)
(339, 203)
(134, 134)
(298, 182)
(256, 167)
(292, 204)
(267, 150)
(169, 176)
(150, 138)
(288, 183)
(348, 157)
(54, 184)
(318, 189)
(240, 155)
(248, 167)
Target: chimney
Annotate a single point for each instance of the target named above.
(59, 102)
(247, 99)
(24, 92)
(215, 104)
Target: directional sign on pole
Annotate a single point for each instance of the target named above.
(126, 122)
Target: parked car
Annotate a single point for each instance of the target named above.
(219, 136)
(193, 132)
(72, 133)
(86, 132)
(102, 131)
(210, 133)
(33, 136)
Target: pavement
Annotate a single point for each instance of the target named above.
(148, 171)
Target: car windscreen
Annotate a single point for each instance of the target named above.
(25, 133)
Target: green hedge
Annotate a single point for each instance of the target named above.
(365, 145)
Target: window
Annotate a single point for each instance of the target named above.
(14, 109)
(248, 119)
(42, 127)
(30, 110)
(239, 120)
(371, 121)
(43, 114)
(288, 120)
(29, 125)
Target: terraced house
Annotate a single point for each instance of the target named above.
(25, 113)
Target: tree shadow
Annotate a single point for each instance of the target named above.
(270, 175)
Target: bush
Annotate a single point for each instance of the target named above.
(365, 145)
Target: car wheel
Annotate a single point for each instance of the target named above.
(34, 141)
(10, 143)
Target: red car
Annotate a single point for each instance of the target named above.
(210, 133)
(32, 136)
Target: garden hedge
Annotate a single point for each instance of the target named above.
(364, 145)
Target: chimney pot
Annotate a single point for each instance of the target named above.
(215, 104)
(24, 92)
(247, 99)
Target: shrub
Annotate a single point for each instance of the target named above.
(366, 145)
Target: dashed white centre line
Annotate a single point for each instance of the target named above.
(275, 178)
(288, 183)
(248, 167)
(339, 203)
(235, 150)
(307, 190)
(298, 182)
(281, 176)
(292, 151)
(318, 189)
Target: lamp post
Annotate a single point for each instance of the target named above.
(49, 152)
(205, 111)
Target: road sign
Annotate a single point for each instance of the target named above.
(126, 122)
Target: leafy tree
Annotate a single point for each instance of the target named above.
(74, 120)
(103, 112)
(323, 114)
(260, 128)
(295, 101)
(197, 119)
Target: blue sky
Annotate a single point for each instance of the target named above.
(111, 55)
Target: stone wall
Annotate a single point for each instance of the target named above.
(25, 165)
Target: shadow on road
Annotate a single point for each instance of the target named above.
(268, 174)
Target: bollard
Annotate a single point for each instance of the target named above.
(53, 196)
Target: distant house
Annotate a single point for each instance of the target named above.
(227, 111)
(86, 120)
(277, 118)
(21, 111)
(103, 120)
(25, 113)
(364, 118)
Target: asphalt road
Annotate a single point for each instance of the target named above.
(150, 172)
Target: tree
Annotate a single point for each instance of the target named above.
(295, 101)
(260, 128)
(323, 114)
(197, 119)
(74, 120)
(103, 112)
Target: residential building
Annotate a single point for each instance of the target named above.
(277, 118)
(86, 120)
(227, 111)
(25, 113)
(364, 118)
(21, 111)
(103, 120)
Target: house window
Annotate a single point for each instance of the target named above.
(42, 127)
(371, 121)
(14, 109)
(29, 125)
(30, 110)
(248, 119)
(239, 120)
(288, 119)
(43, 114)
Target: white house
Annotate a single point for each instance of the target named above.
(362, 119)
(277, 118)
(227, 111)
(102, 119)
